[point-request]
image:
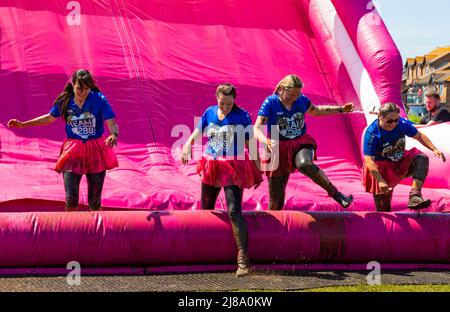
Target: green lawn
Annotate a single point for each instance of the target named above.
(415, 119)
(384, 288)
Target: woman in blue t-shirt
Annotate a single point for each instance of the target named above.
(290, 147)
(386, 162)
(84, 109)
(226, 164)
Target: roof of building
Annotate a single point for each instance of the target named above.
(430, 57)
(410, 61)
(438, 77)
(440, 50)
(440, 57)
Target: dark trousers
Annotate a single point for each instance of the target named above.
(418, 171)
(233, 195)
(304, 163)
(72, 188)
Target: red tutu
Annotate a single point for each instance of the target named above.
(225, 172)
(392, 172)
(81, 157)
(282, 162)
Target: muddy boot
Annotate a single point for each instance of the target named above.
(322, 180)
(243, 264)
(416, 201)
(343, 200)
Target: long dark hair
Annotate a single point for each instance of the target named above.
(84, 79)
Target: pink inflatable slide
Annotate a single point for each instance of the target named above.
(158, 63)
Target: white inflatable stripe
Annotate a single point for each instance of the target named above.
(358, 74)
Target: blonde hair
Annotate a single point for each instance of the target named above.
(290, 81)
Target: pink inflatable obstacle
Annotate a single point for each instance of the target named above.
(204, 237)
(158, 63)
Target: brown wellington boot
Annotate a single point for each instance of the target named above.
(243, 264)
(416, 201)
(322, 180)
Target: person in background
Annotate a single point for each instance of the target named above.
(436, 112)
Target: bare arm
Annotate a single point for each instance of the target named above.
(430, 123)
(38, 121)
(257, 132)
(253, 151)
(425, 141)
(111, 140)
(373, 168)
(187, 147)
(323, 110)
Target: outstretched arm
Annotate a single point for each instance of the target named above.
(430, 123)
(187, 147)
(425, 141)
(111, 140)
(323, 110)
(38, 121)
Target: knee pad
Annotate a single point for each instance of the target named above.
(420, 167)
(308, 168)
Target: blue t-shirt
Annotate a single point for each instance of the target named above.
(87, 122)
(291, 122)
(387, 145)
(226, 137)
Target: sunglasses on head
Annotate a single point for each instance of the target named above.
(391, 121)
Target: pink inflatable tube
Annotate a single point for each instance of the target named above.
(204, 237)
(375, 46)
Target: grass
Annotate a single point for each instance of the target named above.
(415, 119)
(383, 288)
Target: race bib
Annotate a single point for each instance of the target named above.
(395, 151)
(83, 125)
(220, 138)
(291, 127)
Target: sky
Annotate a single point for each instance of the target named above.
(417, 26)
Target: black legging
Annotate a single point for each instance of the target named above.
(95, 187)
(233, 195)
(277, 191)
(304, 163)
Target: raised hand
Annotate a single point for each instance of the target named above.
(348, 107)
(14, 123)
(439, 154)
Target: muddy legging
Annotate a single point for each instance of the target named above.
(304, 163)
(95, 187)
(418, 170)
(233, 196)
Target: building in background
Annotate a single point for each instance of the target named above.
(426, 73)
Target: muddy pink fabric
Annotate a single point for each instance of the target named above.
(392, 172)
(81, 157)
(281, 161)
(221, 172)
(168, 238)
(158, 63)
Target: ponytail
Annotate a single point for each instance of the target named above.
(84, 78)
